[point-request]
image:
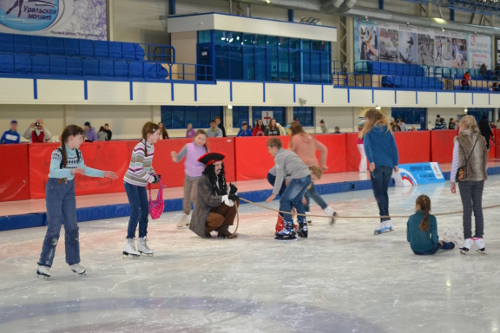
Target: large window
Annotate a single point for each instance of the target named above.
(240, 114)
(266, 113)
(305, 115)
(411, 116)
(252, 57)
(478, 113)
(198, 116)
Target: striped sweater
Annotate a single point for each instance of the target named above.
(140, 171)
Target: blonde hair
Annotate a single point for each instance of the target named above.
(316, 171)
(374, 118)
(468, 125)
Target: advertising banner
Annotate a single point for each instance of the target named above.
(56, 18)
(399, 43)
(418, 174)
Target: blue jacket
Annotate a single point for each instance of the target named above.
(380, 147)
(247, 132)
(421, 240)
(10, 137)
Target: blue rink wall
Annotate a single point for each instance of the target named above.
(121, 210)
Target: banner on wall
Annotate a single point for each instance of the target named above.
(418, 174)
(266, 117)
(399, 43)
(56, 18)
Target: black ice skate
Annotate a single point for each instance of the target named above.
(302, 232)
(287, 233)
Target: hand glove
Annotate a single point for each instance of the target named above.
(233, 190)
(233, 197)
(156, 179)
(225, 200)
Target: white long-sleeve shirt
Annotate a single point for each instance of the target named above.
(454, 163)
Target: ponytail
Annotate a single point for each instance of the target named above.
(148, 128)
(425, 205)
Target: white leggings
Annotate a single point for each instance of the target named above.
(362, 163)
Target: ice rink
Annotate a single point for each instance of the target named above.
(341, 279)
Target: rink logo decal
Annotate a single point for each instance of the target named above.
(30, 15)
(418, 174)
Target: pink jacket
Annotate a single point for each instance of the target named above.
(305, 146)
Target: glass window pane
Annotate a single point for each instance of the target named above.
(220, 37)
(249, 39)
(315, 67)
(166, 116)
(260, 40)
(306, 66)
(283, 42)
(249, 59)
(284, 66)
(221, 62)
(272, 41)
(306, 44)
(325, 68)
(316, 45)
(256, 112)
(216, 111)
(272, 65)
(192, 115)
(204, 36)
(179, 120)
(204, 117)
(295, 66)
(236, 57)
(294, 43)
(260, 64)
(234, 37)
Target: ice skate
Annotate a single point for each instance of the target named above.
(225, 233)
(43, 271)
(458, 239)
(78, 269)
(330, 212)
(186, 218)
(479, 244)
(287, 233)
(129, 251)
(466, 246)
(385, 226)
(447, 235)
(302, 232)
(143, 248)
(308, 217)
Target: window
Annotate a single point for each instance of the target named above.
(240, 114)
(411, 116)
(305, 115)
(204, 37)
(252, 57)
(266, 113)
(478, 113)
(179, 116)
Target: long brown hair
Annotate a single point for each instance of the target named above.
(374, 118)
(202, 132)
(70, 130)
(271, 124)
(262, 127)
(148, 128)
(163, 131)
(296, 128)
(425, 205)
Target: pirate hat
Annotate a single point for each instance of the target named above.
(211, 158)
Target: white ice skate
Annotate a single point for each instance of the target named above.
(385, 226)
(479, 244)
(44, 271)
(308, 217)
(129, 251)
(186, 218)
(466, 246)
(78, 269)
(330, 212)
(143, 248)
(458, 239)
(447, 235)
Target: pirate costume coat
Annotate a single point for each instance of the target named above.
(213, 209)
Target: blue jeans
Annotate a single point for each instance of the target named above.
(380, 179)
(272, 179)
(61, 203)
(312, 193)
(138, 199)
(437, 247)
(292, 196)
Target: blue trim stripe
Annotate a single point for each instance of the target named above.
(196, 93)
(416, 97)
(436, 97)
(489, 99)
(472, 98)
(230, 91)
(322, 94)
(35, 89)
(131, 91)
(85, 90)
(348, 95)
(455, 98)
(373, 96)
(264, 91)
(294, 92)
(172, 91)
(395, 97)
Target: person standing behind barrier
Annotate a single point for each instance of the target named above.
(272, 129)
(259, 129)
(90, 134)
(382, 154)
(37, 132)
(470, 151)
(214, 131)
(140, 173)
(193, 170)
(219, 125)
(11, 136)
(163, 132)
(402, 125)
(65, 163)
(191, 132)
(324, 129)
(110, 134)
(305, 146)
(451, 125)
(361, 148)
(244, 131)
(485, 129)
(102, 135)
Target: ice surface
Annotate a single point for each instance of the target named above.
(340, 279)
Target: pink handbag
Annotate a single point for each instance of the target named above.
(156, 207)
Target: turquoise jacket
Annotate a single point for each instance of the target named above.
(421, 240)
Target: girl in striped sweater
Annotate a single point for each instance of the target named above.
(65, 163)
(140, 172)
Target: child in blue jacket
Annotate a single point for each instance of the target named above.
(244, 130)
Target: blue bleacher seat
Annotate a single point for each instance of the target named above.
(6, 43)
(418, 82)
(420, 71)
(71, 47)
(405, 82)
(162, 72)
(91, 67)
(384, 68)
(41, 65)
(121, 68)
(399, 69)
(6, 63)
(393, 68)
(23, 64)
(413, 70)
(139, 52)
(106, 68)
(57, 65)
(406, 70)
(39, 45)
(75, 66)
(22, 44)
(136, 69)
(56, 46)
(150, 71)
(86, 48)
(411, 82)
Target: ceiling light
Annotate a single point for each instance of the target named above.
(378, 107)
(229, 107)
(465, 110)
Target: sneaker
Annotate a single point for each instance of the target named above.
(458, 238)
(447, 235)
(308, 217)
(479, 244)
(186, 218)
(78, 269)
(143, 248)
(43, 271)
(466, 246)
(329, 211)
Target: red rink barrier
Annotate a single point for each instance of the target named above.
(442, 145)
(413, 147)
(353, 158)
(14, 172)
(497, 141)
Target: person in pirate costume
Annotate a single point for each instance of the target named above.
(216, 202)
